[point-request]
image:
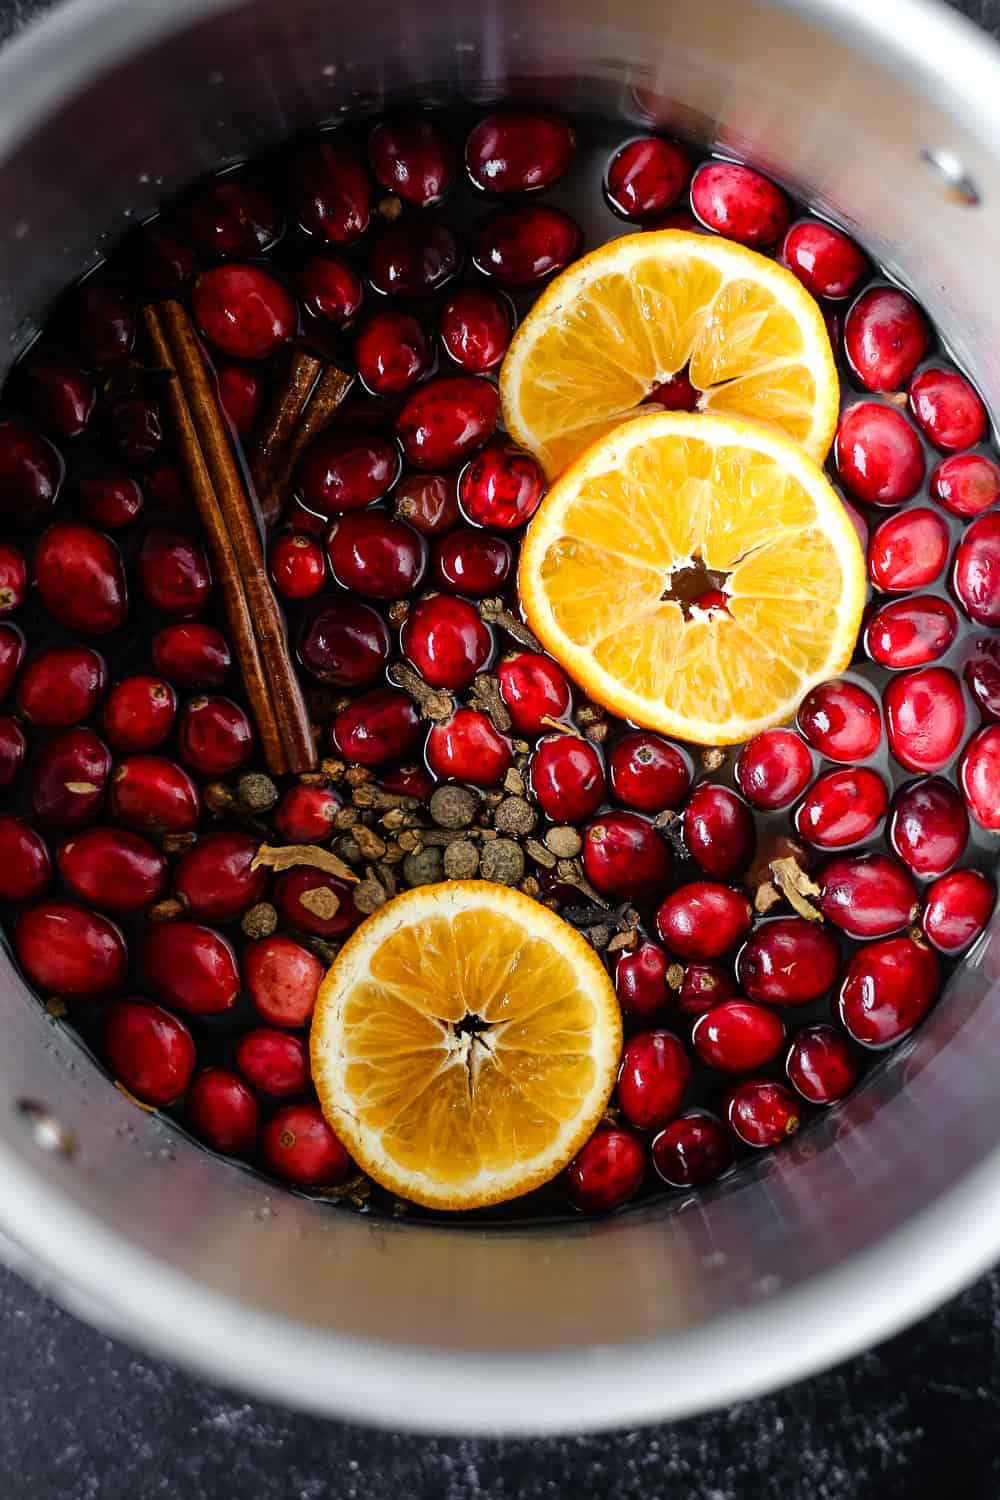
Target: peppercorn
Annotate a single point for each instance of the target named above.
(260, 920)
(453, 806)
(502, 861)
(461, 860)
(423, 867)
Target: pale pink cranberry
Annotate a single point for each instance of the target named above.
(646, 177)
(910, 632)
(976, 573)
(878, 454)
(887, 990)
(957, 909)
(738, 202)
(821, 1064)
(841, 720)
(947, 409)
(788, 961)
(773, 769)
(979, 774)
(908, 551)
(867, 895)
(827, 263)
(966, 484)
(842, 807)
(518, 151)
(298, 1145)
(885, 338)
(282, 979)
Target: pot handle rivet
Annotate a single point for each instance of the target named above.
(952, 177)
(46, 1131)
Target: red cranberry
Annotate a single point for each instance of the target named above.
(446, 641)
(104, 322)
(929, 827)
(522, 247)
(11, 656)
(216, 880)
(947, 409)
(653, 1079)
(413, 158)
(330, 289)
(214, 736)
(296, 565)
(164, 259)
(429, 502)
(821, 1065)
(110, 500)
(191, 968)
(305, 814)
(842, 807)
(692, 1150)
(192, 656)
(476, 328)
(518, 151)
(244, 311)
(567, 778)
(282, 979)
(413, 259)
(472, 562)
(13, 578)
(392, 352)
(62, 686)
(13, 748)
(273, 1062)
(773, 769)
(676, 394)
(136, 428)
(373, 554)
(333, 193)
(62, 396)
(149, 1051)
(641, 981)
(624, 857)
(867, 895)
(910, 632)
(737, 1037)
(762, 1113)
(139, 713)
(25, 866)
(346, 470)
(719, 830)
(70, 952)
(229, 217)
(885, 338)
(739, 203)
(534, 690)
(887, 989)
(81, 578)
(925, 717)
(841, 720)
(908, 551)
(646, 177)
(315, 902)
(380, 726)
(703, 920)
(966, 484)
(958, 908)
(31, 474)
(410, 781)
(114, 870)
(704, 986)
(878, 454)
(298, 1145)
(502, 487)
(174, 574)
(69, 775)
(345, 645)
(982, 676)
(976, 576)
(241, 394)
(448, 419)
(788, 961)
(222, 1112)
(467, 748)
(979, 774)
(607, 1171)
(827, 263)
(148, 791)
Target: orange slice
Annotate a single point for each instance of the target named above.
(465, 1044)
(635, 312)
(651, 506)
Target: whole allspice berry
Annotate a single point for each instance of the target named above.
(256, 792)
(461, 860)
(564, 841)
(423, 867)
(515, 815)
(502, 861)
(259, 920)
(453, 806)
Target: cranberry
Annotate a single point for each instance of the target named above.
(174, 574)
(68, 779)
(607, 1171)
(110, 500)
(982, 676)
(979, 774)
(31, 474)
(346, 470)
(148, 791)
(737, 1036)
(567, 778)
(446, 641)
(925, 717)
(164, 259)
(149, 1051)
(472, 562)
(887, 989)
(692, 1150)
(139, 713)
(841, 720)
(344, 644)
(878, 454)
(929, 827)
(739, 203)
(380, 726)
(976, 575)
(704, 985)
(230, 216)
(305, 814)
(216, 880)
(11, 656)
(410, 781)
(62, 396)
(867, 895)
(315, 902)
(13, 578)
(908, 551)
(25, 866)
(214, 736)
(222, 1112)
(244, 311)
(522, 247)
(62, 686)
(192, 656)
(413, 158)
(641, 981)
(646, 177)
(703, 920)
(827, 263)
(428, 501)
(282, 979)
(947, 409)
(413, 259)
(762, 1113)
(910, 632)
(966, 484)
(373, 554)
(298, 1145)
(241, 395)
(70, 952)
(273, 1062)
(957, 910)
(885, 338)
(113, 870)
(296, 565)
(518, 151)
(392, 352)
(653, 1079)
(821, 1065)
(842, 807)
(773, 769)
(719, 830)
(104, 322)
(676, 394)
(447, 420)
(502, 487)
(191, 967)
(467, 748)
(81, 578)
(330, 289)
(476, 328)
(788, 961)
(624, 857)
(13, 748)
(136, 428)
(333, 193)
(534, 690)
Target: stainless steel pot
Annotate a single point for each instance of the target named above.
(889, 116)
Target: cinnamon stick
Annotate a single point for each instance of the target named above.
(303, 406)
(281, 417)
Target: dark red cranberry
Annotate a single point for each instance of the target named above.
(70, 952)
(737, 1036)
(607, 1171)
(827, 263)
(976, 575)
(821, 1064)
(241, 394)
(447, 420)
(13, 748)
(62, 396)
(467, 748)
(446, 641)
(410, 781)
(675, 394)
(947, 409)
(296, 565)
(476, 328)
(692, 1150)
(373, 554)
(762, 1113)
(346, 470)
(929, 827)
(535, 690)
(878, 454)
(719, 830)
(624, 857)
(230, 217)
(413, 158)
(298, 1145)
(149, 1051)
(867, 895)
(982, 676)
(966, 484)
(567, 778)
(739, 203)
(104, 322)
(150, 792)
(25, 866)
(191, 967)
(646, 177)
(192, 656)
(222, 1112)
(703, 920)
(502, 487)
(81, 579)
(428, 502)
(214, 736)
(273, 1062)
(704, 985)
(472, 562)
(979, 774)
(62, 686)
(315, 902)
(653, 1079)
(139, 713)
(925, 717)
(69, 775)
(522, 247)
(164, 259)
(330, 289)
(136, 428)
(842, 807)
(305, 814)
(244, 311)
(110, 500)
(841, 720)
(788, 961)
(11, 656)
(679, 218)
(885, 338)
(413, 259)
(910, 632)
(392, 352)
(773, 769)
(887, 989)
(380, 726)
(641, 981)
(216, 880)
(31, 475)
(345, 645)
(117, 871)
(282, 979)
(13, 578)
(168, 491)
(333, 192)
(518, 151)
(908, 551)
